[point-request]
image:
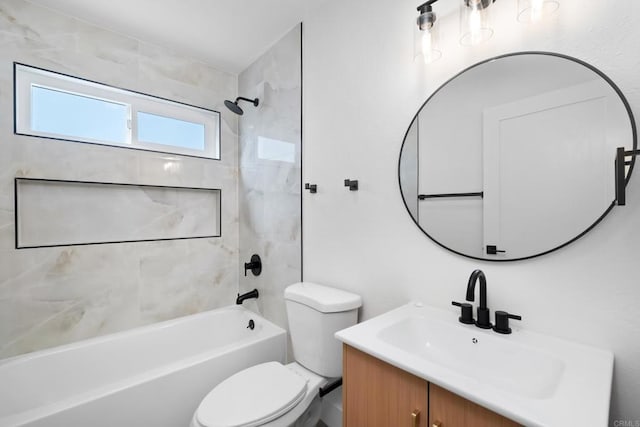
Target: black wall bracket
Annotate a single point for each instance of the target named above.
(330, 387)
(313, 188)
(352, 184)
(621, 162)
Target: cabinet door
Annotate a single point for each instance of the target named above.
(450, 410)
(376, 394)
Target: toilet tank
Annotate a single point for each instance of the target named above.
(315, 314)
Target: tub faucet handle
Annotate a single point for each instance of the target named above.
(255, 265)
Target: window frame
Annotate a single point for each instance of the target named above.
(26, 76)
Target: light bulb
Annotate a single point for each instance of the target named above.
(536, 10)
(426, 47)
(429, 51)
(475, 25)
(426, 39)
(426, 42)
(531, 11)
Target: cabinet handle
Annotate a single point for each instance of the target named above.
(436, 424)
(415, 417)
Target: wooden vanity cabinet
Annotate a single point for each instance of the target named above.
(447, 409)
(377, 394)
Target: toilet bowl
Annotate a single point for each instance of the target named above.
(266, 395)
(275, 395)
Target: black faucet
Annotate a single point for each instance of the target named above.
(250, 294)
(483, 312)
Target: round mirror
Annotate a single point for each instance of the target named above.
(514, 157)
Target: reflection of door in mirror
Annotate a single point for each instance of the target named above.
(530, 183)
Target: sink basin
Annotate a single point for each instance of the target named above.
(534, 379)
(510, 366)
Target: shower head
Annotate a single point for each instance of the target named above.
(235, 108)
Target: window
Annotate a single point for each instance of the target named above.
(57, 106)
(169, 131)
(54, 112)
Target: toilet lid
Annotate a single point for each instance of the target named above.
(252, 397)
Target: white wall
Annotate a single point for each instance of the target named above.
(361, 90)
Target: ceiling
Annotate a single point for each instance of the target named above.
(227, 34)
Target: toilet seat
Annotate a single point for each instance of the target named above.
(252, 397)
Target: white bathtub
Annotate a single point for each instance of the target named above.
(150, 376)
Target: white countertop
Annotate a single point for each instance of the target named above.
(531, 378)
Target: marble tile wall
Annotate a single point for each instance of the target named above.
(270, 173)
(52, 296)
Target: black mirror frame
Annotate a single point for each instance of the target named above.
(559, 55)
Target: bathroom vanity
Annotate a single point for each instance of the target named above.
(376, 393)
(418, 364)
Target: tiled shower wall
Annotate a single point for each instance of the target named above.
(51, 296)
(270, 173)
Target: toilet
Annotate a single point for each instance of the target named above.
(275, 395)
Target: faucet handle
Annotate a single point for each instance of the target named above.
(466, 311)
(255, 265)
(502, 322)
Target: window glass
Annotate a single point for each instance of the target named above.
(169, 131)
(67, 114)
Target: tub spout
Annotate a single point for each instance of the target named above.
(250, 294)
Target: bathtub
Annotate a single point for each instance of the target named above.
(150, 376)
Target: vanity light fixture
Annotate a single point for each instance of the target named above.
(475, 27)
(425, 40)
(475, 22)
(531, 11)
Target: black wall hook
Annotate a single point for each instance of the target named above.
(352, 184)
(313, 188)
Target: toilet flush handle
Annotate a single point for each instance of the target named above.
(330, 387)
